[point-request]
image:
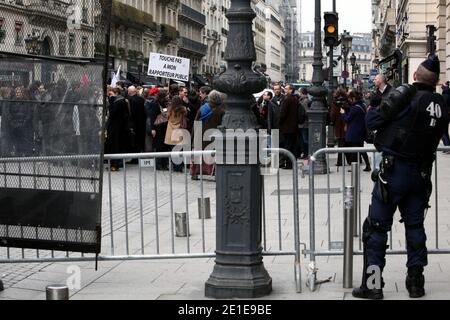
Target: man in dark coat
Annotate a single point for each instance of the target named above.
(138, 117)
(289, 124)
(18, 121)
(383, 89)
(116, 127)
(270, 111)
(446, 96)
(278, 96)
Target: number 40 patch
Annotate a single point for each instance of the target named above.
(435, 113)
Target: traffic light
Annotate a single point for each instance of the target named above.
(331, 28)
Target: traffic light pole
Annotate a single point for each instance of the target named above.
(318, 112)
(330, 135)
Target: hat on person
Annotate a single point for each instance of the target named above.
(432, 64)
(153, 92)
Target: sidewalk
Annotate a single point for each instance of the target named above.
(184, 279)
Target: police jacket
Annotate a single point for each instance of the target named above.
(409, 122)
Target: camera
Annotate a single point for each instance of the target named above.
(341, 101)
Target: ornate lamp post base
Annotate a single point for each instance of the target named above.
(243, 281)
(239, 271)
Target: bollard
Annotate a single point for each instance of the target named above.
(356, 193)
(181, 224)
(205, 207)
(348, 237)
(57, 292)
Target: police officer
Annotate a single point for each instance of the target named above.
(410, 122)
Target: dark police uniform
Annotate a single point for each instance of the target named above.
(409, 123)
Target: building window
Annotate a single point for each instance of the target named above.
(62, 45)
(71, 44)
(84, 46)
(19, 34)
(2, 31)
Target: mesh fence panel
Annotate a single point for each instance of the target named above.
(51, 123)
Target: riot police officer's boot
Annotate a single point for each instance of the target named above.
(415, 282)
(363, 292)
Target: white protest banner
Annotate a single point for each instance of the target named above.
(170, 67)
(115, 78)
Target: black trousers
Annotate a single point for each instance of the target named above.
(289, 142)
(353, 157)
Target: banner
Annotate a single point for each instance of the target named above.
(169, 67)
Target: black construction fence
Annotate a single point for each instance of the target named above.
(52, 115)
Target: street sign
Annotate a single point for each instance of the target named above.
(170, 67)
(373, 72)
(147, 163)
(337, 65)
(345, 74)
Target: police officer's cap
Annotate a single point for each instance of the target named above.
(432, 64)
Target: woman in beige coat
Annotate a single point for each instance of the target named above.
(176, 120)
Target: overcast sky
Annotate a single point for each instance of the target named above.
(354, 15)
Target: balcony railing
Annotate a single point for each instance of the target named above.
(193, 15)
(168, 33)
(48, 8)
(193, 46)
(131, 17)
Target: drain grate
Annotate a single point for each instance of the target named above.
(289, 192)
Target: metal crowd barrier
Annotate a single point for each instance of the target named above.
(335, 247)
(138, 215)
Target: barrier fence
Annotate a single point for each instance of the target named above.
(333, 220)
(152, 214)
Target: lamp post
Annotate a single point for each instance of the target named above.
(239, 271)
(318, 112)
(353, 63)
(358, 75)
(347, 40)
